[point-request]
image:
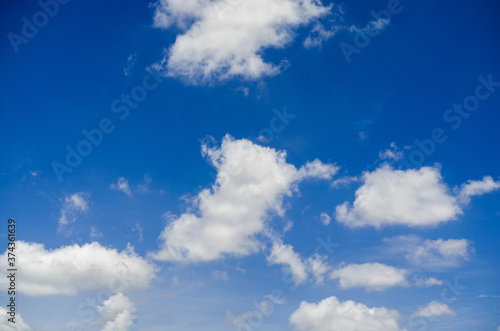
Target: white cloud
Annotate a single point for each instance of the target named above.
(477, 187)
(117, 312)
(371, 276)
(131, 60)
(332, 315)
(19, 324)
(73, 206)
(122, 185)
(393, 153)
(228, 218)
(320, 34)
(285, 255)
(440, 253)
(318, 169)
(430, 254)
(428, 282)
(226, 38)
(404, 197)
(343, 181)
(325, 219)
(70, 269)
(434, 309)
(318, 267)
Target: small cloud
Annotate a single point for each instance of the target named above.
(344, 181)
(245, 90)
(131, 61)
(94, 233)
(325, 219)
(73, 206)
(420, 282)
(122, 185)
(393, 153)
(435, 309)
(35, 173)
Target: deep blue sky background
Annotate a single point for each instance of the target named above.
(397, 89)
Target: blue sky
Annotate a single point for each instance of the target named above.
(252, 165)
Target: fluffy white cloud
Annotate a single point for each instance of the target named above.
(477, 187)
(225, 38)
(19, 324)
(285, 255)
(332, 315)
(371, 276)
(117, 312)
(69, 269)
(73, 206)
(122, 185)
(434, 309)
(228, 218)
(406, 197)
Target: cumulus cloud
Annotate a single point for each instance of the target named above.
(400, 197)
(285, 255)
(230, 218)
(371, 276)
(222, 39)
(70, 269)
(477, 187)
(332, 315)
(435, 309)
(117, 313)
(122, 185)
(19, 325)
(392, 153)
(73, 206)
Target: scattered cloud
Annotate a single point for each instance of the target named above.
(228, 218)
(122, 185)
(332, 315)
(435, 309)
(285, 255)
(70, 269)
(391, 154)
(137, 228)
(131, 60)
(222, 40)
(73, 206)
(477, 187)
(144, 187)
(430, 254)
(318, 267)
(325, 219)
(371, 276)
(95, 233)
(400, 197)
(427, 282)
